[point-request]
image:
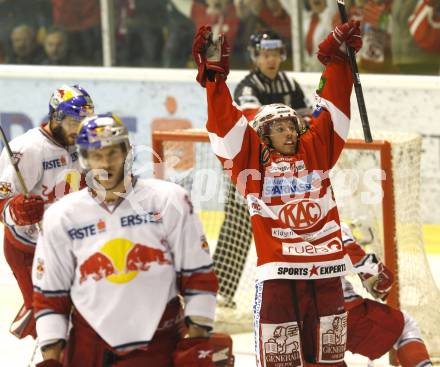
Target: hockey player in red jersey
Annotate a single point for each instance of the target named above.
(374, 328)
(282, 169)
(48, 162)
(122, 253)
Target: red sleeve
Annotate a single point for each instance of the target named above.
(331, 118)
(250, 113)
(198, 281)
(53, 304)
(355, 251)
(233, 141)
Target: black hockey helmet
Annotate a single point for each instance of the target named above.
(266, 40)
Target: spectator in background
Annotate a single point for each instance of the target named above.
(140, 32)
(35, 13)
(276, 18)
(317, 23)
(80, 19)
(220, 15)
(408, 58)
(56, 48)
(25, 49)
(180, 34)
(249, 23)
(3, 59)
(375, 55)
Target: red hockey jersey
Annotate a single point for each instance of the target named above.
(293, 210)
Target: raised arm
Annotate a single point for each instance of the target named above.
(232, 139)
(331, 116)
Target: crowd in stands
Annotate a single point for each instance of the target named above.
(158, 33)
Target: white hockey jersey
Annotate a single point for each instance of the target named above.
(121, 267)
(48, 169)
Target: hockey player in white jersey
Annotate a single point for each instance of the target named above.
(48, 162)
(374, 328)
(121, 253)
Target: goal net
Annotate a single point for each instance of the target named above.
(377, 188)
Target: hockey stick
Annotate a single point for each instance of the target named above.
(356, 79)
(14, 163)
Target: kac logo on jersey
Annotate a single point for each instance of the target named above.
(300, 214)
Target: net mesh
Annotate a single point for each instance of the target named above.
(357, 184)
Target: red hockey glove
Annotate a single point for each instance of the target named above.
(26, 210)
(49, 363)
(211, 57)
(193, 352)
(333, 47)
(379, 286)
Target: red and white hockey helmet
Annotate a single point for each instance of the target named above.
(270, 113)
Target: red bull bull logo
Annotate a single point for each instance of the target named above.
(119, 261)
